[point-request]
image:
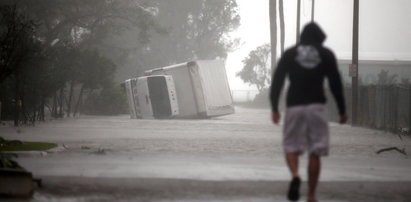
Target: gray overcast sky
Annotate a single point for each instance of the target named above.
(385, 29)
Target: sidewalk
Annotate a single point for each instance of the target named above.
(146, 189)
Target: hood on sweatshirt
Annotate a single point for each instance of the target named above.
(312, 34)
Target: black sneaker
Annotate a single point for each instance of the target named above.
(294, 189)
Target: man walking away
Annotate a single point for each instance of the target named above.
(307, 64)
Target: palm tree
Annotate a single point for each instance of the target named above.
(312, 10)
(298, 20)
(273, 32)
(282, 27)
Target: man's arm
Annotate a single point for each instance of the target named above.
(336, 86)
(277, 83)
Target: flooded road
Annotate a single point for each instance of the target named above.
(229, 158)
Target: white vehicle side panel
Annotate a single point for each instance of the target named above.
(201, 86)
(144, 98)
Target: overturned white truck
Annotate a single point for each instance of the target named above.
(197, 89)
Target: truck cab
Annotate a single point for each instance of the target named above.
(152, 97)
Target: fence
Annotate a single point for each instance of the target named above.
(383, 107)
(380, 106)
(242, 96)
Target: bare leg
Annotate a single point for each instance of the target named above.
(314, 167)
(292, 162)
(294, 188)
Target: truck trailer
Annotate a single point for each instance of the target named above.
(197, 89)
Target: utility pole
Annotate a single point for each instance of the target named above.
(312, 10)
(298, 21)
(354, 65)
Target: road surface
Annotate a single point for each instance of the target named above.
(230, 158)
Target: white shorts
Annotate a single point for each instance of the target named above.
(306, 129)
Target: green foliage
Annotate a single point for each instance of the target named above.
(54, 53)
(17, 145)
(256, 70)
(16, 39)
(92, 25)
(28, 146)
(111, 100)
(6, 161)
(191, 30)
(95, 71)
(87, 68)
(87, 22)
(6, 99)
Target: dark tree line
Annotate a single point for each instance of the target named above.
(185, 30)
(63, 57)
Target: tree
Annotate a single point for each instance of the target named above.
(312, 10)
(109, 101)
(40, 60)
(273, 32)
(80, 26)
(97, 72)
(282, 26)
(385, 79)
(74, 47)
(94, 24)
(192, 30)
(405, 82)
(256, 70)
(16, 37)
(86, 22)
(17, 45)
(209, 25)
(297, 39)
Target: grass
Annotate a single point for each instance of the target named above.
(85, 147)
(27, 146)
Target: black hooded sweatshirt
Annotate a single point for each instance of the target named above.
(307, 65)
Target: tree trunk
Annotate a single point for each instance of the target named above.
(409, 109)
(16, 101)
(298, 21)
(80, 97)
(70, 98)
(312, 10)
(42, 106)
(61, 102)
(282, 26)
(273, 33)
(54, 107)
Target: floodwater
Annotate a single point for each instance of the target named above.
(230, 158)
